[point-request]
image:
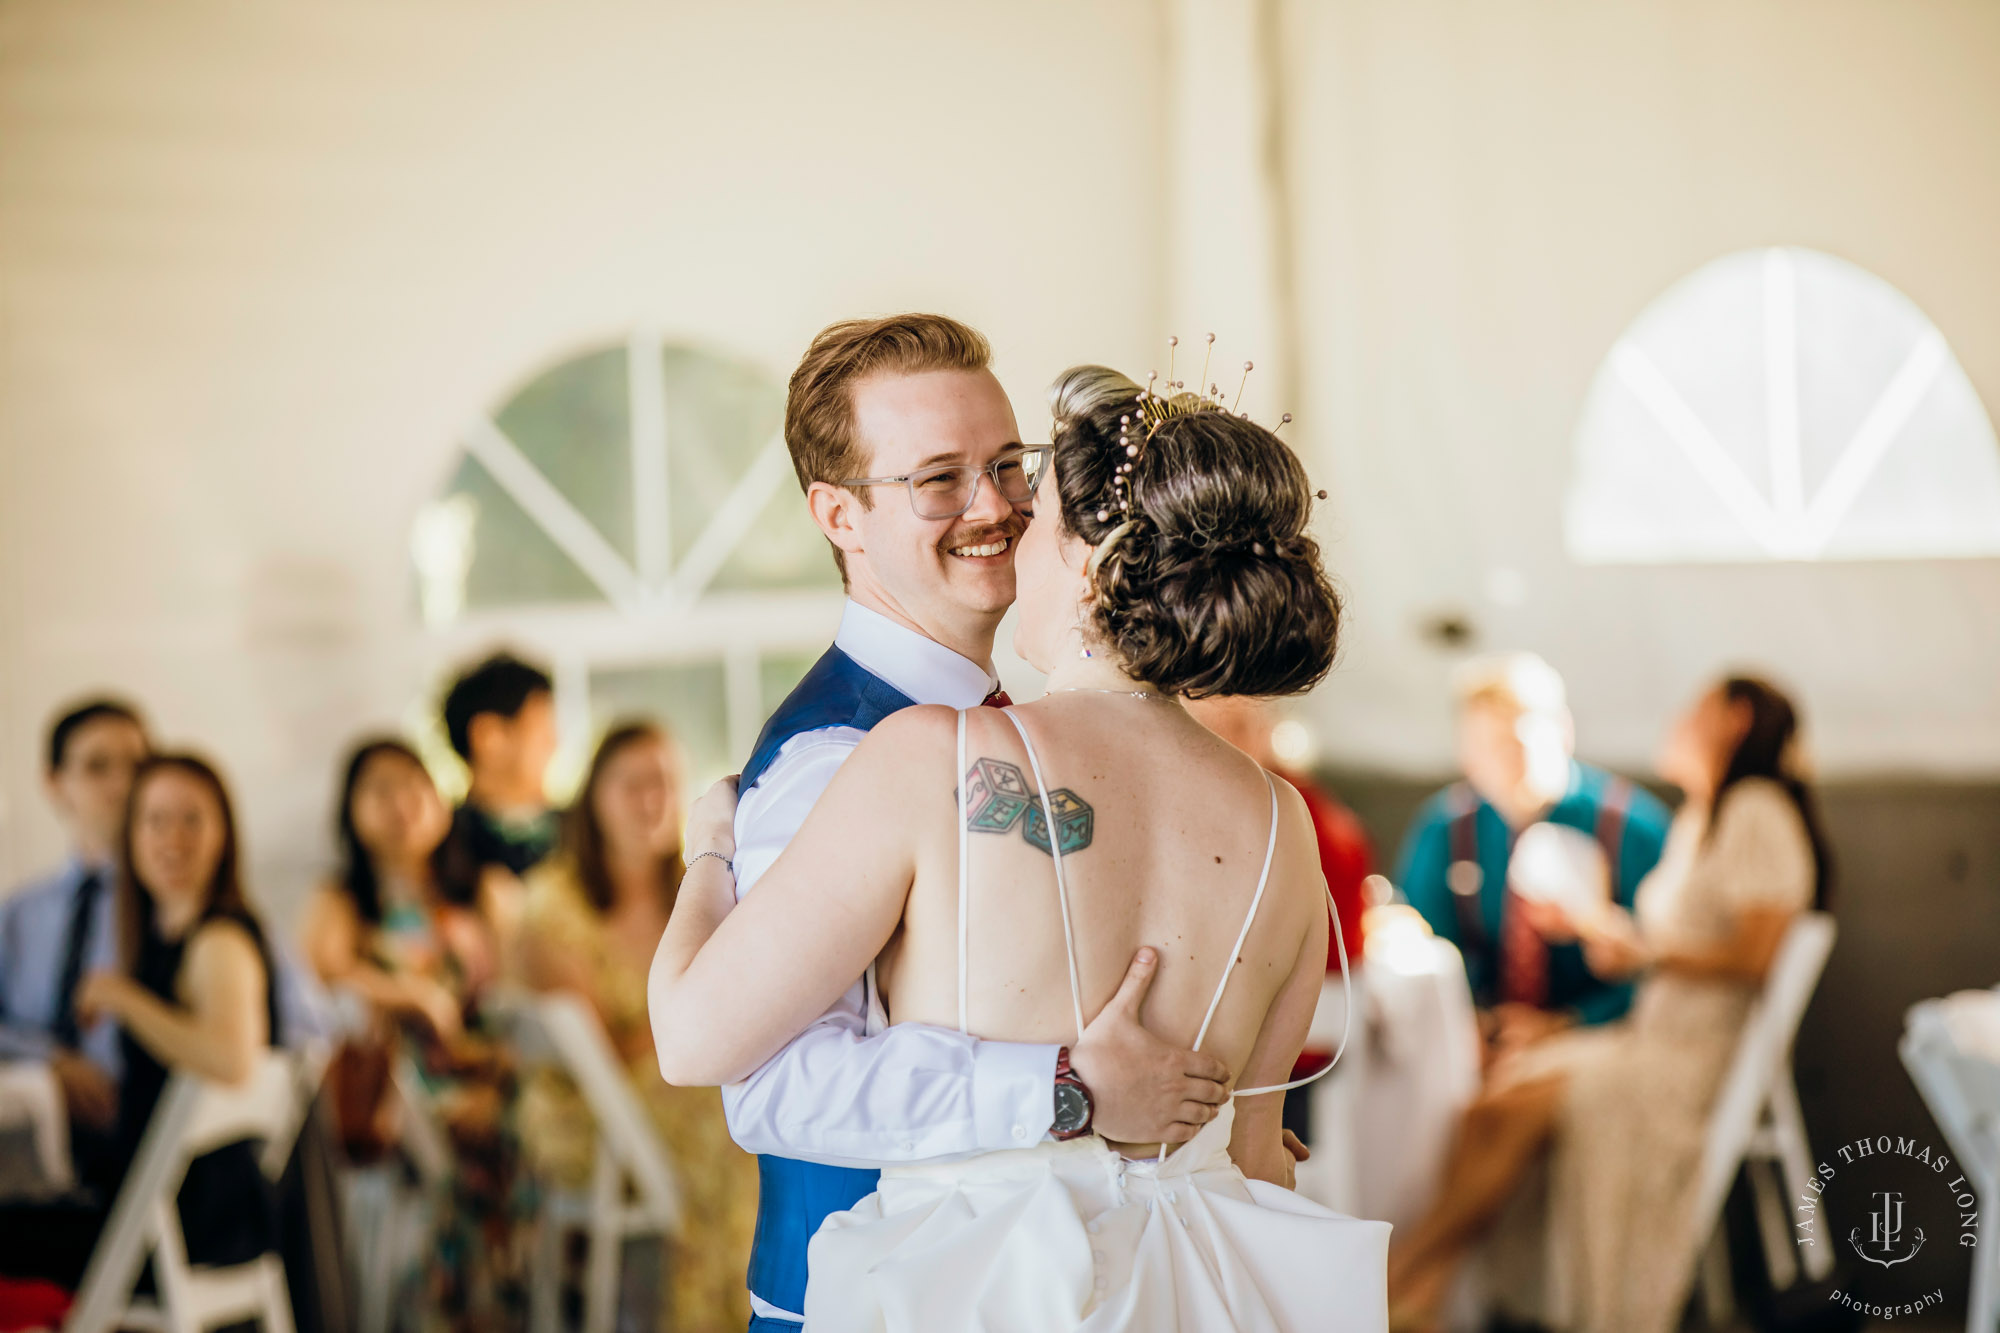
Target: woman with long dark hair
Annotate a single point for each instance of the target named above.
(193, 995)
(374, 928)
(385, 930)
(594, 913)
(1623, 1109)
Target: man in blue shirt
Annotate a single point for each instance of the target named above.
(1516, 746)
(59, 929)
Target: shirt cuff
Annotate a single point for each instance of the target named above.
(1013, 1094)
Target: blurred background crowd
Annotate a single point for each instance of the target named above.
(1646, 351)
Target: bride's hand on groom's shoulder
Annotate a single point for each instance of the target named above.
(1143, 1089)
(711, 823)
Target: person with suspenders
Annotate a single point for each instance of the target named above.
(913, 467)
(1516, 751)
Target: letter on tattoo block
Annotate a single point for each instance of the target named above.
(1073, 820)
(996, 795)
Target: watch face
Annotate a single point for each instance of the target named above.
(1072, 1108)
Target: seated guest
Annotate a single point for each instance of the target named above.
(1624, 1107)
(500, 717)
(61, 927)
(375, 929)
(384, 931)
(594, 915)
(193, 995)
(1515, 744)
(381, 931)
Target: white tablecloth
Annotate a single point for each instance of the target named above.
(1383, 1122)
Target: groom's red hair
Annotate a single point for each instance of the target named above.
(819, 407)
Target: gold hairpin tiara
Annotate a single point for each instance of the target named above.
(1154, 409)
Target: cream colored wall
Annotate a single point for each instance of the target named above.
(257, 264)
(1487, 195)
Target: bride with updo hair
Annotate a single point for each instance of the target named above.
(997, 869)
(1213, 584)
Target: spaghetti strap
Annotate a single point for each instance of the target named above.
(1256, 899)
(964, 877)
(1062, 882)
(1346, 1007)
(1069, 937)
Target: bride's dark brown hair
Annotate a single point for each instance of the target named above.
(1216, 588)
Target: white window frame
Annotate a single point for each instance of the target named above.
(657, 612)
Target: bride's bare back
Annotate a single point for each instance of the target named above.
(1164, 830)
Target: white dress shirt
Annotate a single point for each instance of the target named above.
(34, 942)
(34, 938)
(837, 1094)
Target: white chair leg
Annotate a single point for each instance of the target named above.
(277, 1314)
(1983, 1312)
(607, 1248)
(1718, 1290)
(1773, 1225)
(170, 1270)
(1795, 1160)
(371, 1239)
(545, 1283)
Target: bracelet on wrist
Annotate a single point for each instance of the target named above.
(727, 864)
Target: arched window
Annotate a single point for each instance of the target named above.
(630, 512)
(1782, 404)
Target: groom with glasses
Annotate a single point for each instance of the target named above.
(949, 489)
(910, 401)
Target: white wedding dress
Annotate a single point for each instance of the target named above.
(1076, 1236)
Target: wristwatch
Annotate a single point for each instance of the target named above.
(1074, 1107)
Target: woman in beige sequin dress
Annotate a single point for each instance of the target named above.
(592, 917)
(1622, 1110)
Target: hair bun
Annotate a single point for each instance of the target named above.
(1217, 587)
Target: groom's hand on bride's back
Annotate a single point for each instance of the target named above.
(1143, 1089)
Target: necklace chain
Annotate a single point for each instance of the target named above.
(1094, 689)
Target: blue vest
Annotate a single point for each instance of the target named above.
(794, 1197)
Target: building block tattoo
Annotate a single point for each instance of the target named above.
(998, 797)
(1074, 820)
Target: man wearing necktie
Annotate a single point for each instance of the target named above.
(58, 929)
(1516, 747)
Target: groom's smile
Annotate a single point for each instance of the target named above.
(986, 548)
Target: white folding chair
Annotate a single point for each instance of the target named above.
(1757, 1124)
(632, 1191)
(389, 1213)
(1962, 1091)
(194, 1117)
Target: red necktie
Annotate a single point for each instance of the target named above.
(1524, 957)
(997, 699)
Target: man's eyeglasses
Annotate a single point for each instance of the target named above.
(949, 490)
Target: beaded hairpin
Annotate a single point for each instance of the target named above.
(1154, 410)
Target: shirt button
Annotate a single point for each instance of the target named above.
(1097, 1255)
(1095, 1227)
(909, 1145)
(1020, 1131)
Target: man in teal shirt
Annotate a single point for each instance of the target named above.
(1516, 750)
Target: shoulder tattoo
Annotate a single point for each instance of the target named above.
(998, 799)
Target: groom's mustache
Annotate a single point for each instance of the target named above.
(984, 534)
